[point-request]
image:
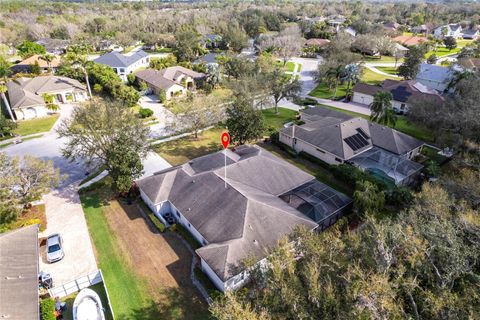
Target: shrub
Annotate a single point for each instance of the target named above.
(145, 112)
(162, 96)
(97, 87)
(131, 78)
(47, 309)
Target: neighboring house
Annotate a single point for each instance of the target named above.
(399, 49)
(403, 93)
(336, 22)
(472, 64)
(173, 80)
(54, 46)
(317, 43)
(422, 29)
(410, 40)
(19, 274)
(391, 26)
(208, 59)
(26, 94)
(123, 65)
(244, 214)
(472, 34)
(350, 31)
(336, 138)
(26, 65)
(449, 30)
(435, 77)
(211, 41)
(108, 45)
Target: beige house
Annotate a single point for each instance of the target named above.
(26, 94)
(174, 81)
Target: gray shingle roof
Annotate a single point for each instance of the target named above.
(117, 60)
(245, 219)
(154, 78)
(25, 92)
(327, 129)
(19, 274)
(435, 73)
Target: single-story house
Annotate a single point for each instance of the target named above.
(208, 59)
(403, 93)
(122, 64)
(240, 211)
(336, 138)
(449, 30)
(26, 94)
(54, 46)
(399, 49)
(336, 22)
(410, 40)
(472, 64)
(108, 45)
(391, 26)
(173, 80)
(419, 29)
(26, 65)
(472, 34)
(435, 77)
(19, 274)
(317, 43)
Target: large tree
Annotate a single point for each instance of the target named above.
(28, 48)
(107, 133)
(244, 121)
(280, 86)
(5, 70)
(187, 43)
(411, 65)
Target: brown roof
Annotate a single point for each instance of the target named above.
(471, 63)
(410, 40)
(317, 42)
(42, 63)
(155, 78)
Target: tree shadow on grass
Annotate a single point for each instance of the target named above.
(170, 306)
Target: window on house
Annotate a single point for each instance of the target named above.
(402, 106)
(122, 70)
(338, 160)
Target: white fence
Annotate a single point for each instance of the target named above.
(79, 284)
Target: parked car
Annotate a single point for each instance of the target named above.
(54, 248)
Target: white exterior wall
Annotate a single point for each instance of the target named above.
(184, 222)
(144, 62)
(362, 98)
(213, 276)
(31, 112)
(397, 106)
(310, 149)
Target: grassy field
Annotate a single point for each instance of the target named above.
(442, 51)
(322, 91)
(390, 70)
(370, 77)
(27, 127)
(125, 288)
(278, 120)
(289, 66)
(381, 59)
(402, 125)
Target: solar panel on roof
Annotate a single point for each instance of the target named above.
(356, 142)
(362, 133)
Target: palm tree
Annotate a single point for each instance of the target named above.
(81, 62)
(381, 107)
(4, 72)
(48, 58)
(337, 74)
(351, 74)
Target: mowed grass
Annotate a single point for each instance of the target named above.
(127, 292)
(402, 125)
(390, 70)
(26, 127)
(289, 66)
(182, 150)
(370, 77)
(442, 51)
(275, 120)
(323, 91)
(381, 59)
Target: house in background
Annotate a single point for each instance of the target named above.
(209, 59)
(26, 94)
(449, 30)
(421, 29)
(435, 77)
(337, 138)
(26, 65)
(244, 214)
(123, 65)
(410, 40)
(314, 46)
(19, 274)
(403, 93)
(336, 22)
(54, 46)
(471, 34)
(392, 27)
(350, 31)
(173, 80)
(472, 64)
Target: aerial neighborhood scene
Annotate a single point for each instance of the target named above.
(233, 160)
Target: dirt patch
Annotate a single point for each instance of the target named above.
(33, 215)
(159, 258)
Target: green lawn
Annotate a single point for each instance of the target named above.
(289, 66)
(278, 120)
(442, 51)
(127, 292)
(322, 91)
(381, 59)
(390, 70)
(26, 127)
(402, 125)
(370, 77)
(464, 42)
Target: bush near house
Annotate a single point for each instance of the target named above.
(145, 113)
(47, 309)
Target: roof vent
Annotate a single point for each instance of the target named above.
(193, 181)
(189, 209)
(250, 226)
(255, 241)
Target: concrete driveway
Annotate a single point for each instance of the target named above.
(167, 121)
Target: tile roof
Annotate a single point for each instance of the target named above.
(247, 218)
(410, 40)
(317, 42)
(19, 274)
(42, 63)
(117, 60)
(25, 92)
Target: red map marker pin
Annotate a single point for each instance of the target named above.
(225, 140)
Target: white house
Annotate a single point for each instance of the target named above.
(337, 138)
(471, 34)
(124, 64)
(449, 30)
(404, 93)
(435, 77)
(241, 215)
(26, 94)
